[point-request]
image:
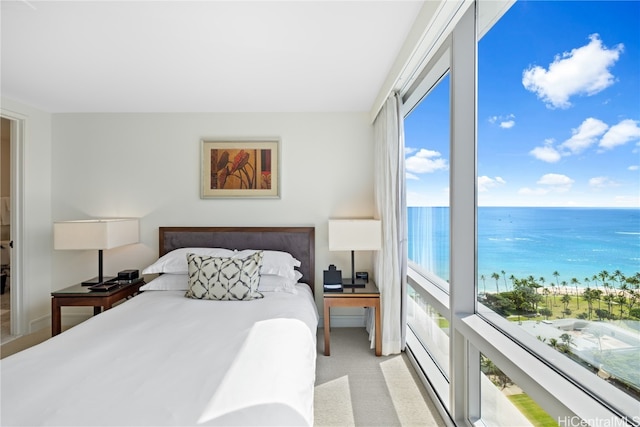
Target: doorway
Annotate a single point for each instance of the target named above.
(5, 230)
(12, 167)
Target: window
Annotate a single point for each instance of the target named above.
(427, 140)
(558, 221)
(522, 154)
(427, 165)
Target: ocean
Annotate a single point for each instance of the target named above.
(523, 241)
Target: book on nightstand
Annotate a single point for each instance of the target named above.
(333, 288)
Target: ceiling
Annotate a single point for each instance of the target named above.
(200, 56)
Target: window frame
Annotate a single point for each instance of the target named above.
(473, 331)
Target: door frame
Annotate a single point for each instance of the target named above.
(18, 314)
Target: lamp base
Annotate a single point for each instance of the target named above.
(348, 283)
(96, 281)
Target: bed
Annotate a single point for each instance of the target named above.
(163, 359)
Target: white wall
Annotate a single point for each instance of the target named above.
(148, 166)
(35, 243)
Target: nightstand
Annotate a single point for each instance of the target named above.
(78, 295)
(369, 296)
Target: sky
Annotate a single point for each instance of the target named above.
(558, 111)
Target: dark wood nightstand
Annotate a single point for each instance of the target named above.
(78, 295)
(369, 296)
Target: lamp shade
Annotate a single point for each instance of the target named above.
(355, 234)
(95, 234)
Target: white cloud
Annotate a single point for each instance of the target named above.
(591, 131)
(620, 134)
(584, 70)
(425, 161)
(411, 176)
(633, 168)
(505, 122)
(546, 153)
(600, 182)
(556, 182)
(485, 183)
(585, 135)
(550, 183)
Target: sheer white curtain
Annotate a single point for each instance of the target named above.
(390, 263)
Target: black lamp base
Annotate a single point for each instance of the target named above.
(359, 283)
(97, 281)
(100, 279)
(353, 282)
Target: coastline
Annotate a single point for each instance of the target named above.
(565, 290)
(573, 242)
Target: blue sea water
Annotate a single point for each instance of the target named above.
(524, 241)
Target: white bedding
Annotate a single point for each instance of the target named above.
(163, 359)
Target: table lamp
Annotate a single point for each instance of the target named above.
(95, 234)
(355, 235)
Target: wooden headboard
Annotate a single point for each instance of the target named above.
(298, 241)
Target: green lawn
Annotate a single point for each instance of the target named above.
(576, 305)
(532, 411)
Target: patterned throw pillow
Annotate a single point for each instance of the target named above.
(224, 279)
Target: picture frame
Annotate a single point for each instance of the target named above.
(240, 168)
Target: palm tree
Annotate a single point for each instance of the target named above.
(633, 288)
(590, 295)
(564, 285)
(566, 299)
(556, 275)
(604, 275)
(545, 291)
(496, 276)
(542, 280)
(484, 285)
(621, 299)
(618, 277)
(595, 280)
(567, 340)
(504, 276)
(608, 298)
(576, 282)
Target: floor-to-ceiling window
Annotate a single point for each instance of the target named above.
(427, 135)
(554, 336)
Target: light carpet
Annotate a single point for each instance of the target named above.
(356, 388)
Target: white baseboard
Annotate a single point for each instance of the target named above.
(68, 320)
(39, 323)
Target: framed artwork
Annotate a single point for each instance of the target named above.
(240, 168)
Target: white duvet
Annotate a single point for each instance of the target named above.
(163, 359)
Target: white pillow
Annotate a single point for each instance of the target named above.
(168, 282)
(275, 283)
(176, 261)
(180, 282)
(274, 262)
